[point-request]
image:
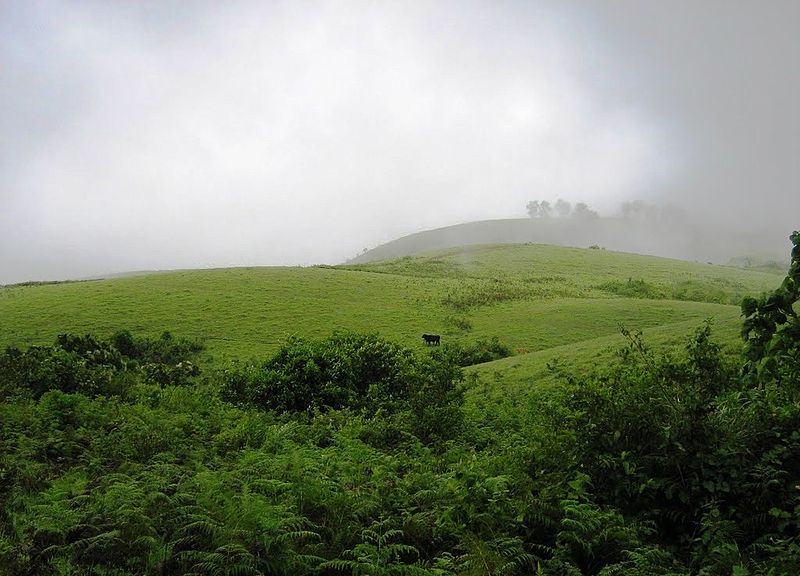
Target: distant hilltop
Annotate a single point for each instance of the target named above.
(673, 239)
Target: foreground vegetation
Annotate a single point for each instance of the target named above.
(351, 454)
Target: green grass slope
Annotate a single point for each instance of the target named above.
(237, 313)
(541, 300)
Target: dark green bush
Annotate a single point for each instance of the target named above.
(39, 369)
(89, 348)
(683, 445)
(771, 329)
(345, 370)
(163, 350)
(477, 352)
(358, 371)
(90, 366)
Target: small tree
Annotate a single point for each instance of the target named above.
(545, 209)
(539, 208)
(583, 212)
(563, 208)
(771, 329)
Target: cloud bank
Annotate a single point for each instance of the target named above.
(171, 134)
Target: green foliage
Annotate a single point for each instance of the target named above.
(363, 372)
(771, 328)
(356, 455)
(686, 447)
(473, 293)
(92, 350)
(345, 370)
(659, 464)
(379, 555)
(592, 540)
(39, 369)
(478, 351)
(181, 374)
(504, 555)
(90, 366)
(163, 350)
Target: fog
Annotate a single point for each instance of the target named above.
(167, 134)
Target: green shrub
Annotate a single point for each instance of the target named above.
(358, 371)
(93, 367)
(478, 351)
(163, 350)
(771, 329)
(685, 445)
(39, 369)
(345, 370)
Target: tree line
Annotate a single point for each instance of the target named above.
(629, 210)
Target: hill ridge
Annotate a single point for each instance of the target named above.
(679, 239)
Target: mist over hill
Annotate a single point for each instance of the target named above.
(672, 236)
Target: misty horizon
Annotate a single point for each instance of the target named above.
(154, 136)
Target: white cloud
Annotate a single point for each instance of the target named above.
(302, 132)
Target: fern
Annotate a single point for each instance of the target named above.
(241, 534)
(504, 556)
(378, 555)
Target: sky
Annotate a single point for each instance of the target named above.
(167, 134)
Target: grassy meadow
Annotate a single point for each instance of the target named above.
(539, 300)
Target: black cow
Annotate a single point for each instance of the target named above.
(432, 339)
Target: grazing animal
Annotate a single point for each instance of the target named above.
(432, 339)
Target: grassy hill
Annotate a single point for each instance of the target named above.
(668, 237)
(540, 300)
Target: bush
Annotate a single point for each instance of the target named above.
(345, 370)
(357, 371)
(40, 369)
(163, 350)
(685, 445)
(477, 352)
(771, 329)
(94, 367)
